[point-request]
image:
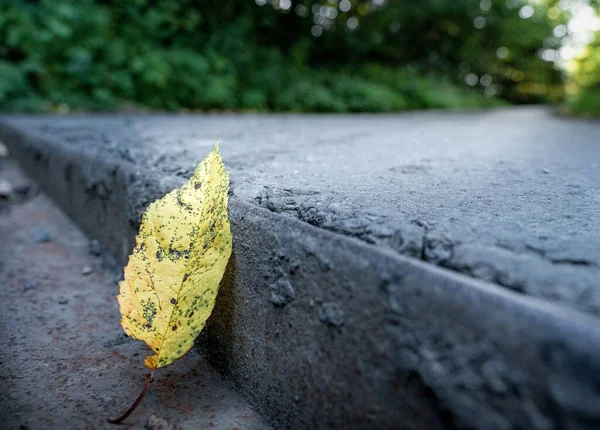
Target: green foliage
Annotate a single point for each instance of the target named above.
(60, 55)
(305, 95)
(363, 95)
(422, 90)
(14, 90)
(586, 102)
(585, 82)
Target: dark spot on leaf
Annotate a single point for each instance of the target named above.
(192, 314)
(182, 203)
(176, 254)
(174, 327)
(173, 301)
(197, 186)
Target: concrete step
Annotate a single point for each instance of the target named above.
(65, 361)
(321, 321)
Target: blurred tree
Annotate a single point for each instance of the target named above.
(326, 55)
(584, 81)
(496, 45)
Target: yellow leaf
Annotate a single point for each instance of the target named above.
(173, 274)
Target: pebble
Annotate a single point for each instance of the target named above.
(546, 171)
(157, 423)
(63, 301)
(6, 188)
(281, 292)
(29, 286)
(332, 314)
(94, 248)
(41, 235)
(87, 270)
(3, 150)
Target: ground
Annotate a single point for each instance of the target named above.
(435, 269)
(64, 359)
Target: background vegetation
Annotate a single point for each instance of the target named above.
(583, 85)
(286, 55)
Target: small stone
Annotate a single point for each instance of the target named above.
(29, 286)
(63, 301)
(157, 423)
(41, 235)
(546, 171)
(3, 150)
(331, 313)
(6, 189)
(87, 270)
(282, 292)
(94, 248)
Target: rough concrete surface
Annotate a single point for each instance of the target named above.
(509, 196)
(322, 321)
(65, 362)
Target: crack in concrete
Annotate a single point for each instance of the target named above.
(500, 264)
(566, 261)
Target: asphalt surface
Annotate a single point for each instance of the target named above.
(65, 362)
(509, 196)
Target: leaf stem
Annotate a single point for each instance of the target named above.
(136, 403)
